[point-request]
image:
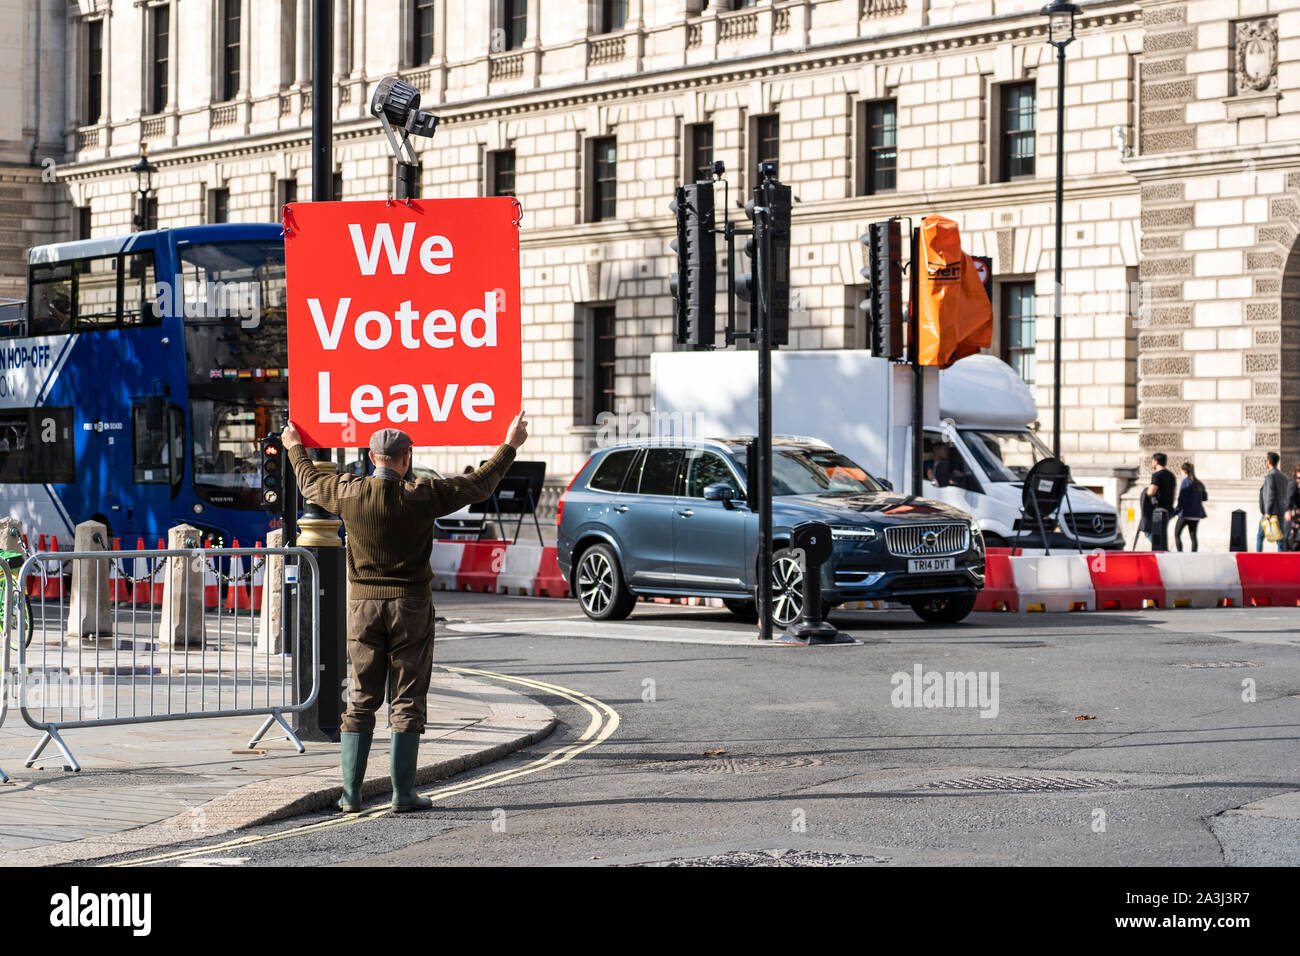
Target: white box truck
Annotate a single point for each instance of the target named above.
(978, 439)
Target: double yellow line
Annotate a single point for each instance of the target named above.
(603, 721)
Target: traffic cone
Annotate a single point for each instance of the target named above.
(158, 564)
(237, 598)
(259, 577)
(119, 591)
(34, 580)
(141, 593)
(53, 573)
(211, 584)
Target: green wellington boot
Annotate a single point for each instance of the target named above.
(355, 751)
(402, 753)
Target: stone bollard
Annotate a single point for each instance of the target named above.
(182, 621)
(270, 632)
(89, 619)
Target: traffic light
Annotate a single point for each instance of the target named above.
(694, 283)
(885, 305)
(777, 200)
(771, 232)
(273, 465)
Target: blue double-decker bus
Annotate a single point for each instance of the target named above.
(138, 380)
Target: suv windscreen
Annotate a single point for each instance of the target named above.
(819, 471)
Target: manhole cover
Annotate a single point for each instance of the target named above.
(770, 858)
(736, 764)
(1008, 783)
(1197, 665)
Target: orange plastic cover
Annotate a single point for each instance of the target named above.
(955, 315)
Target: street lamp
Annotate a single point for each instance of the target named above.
(397, 104)
(144, 171)
(1060, 34)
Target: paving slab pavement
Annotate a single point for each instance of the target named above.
(157, 784)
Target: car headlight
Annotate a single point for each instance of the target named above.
(852, 533)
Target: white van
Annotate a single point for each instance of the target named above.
(860, 405)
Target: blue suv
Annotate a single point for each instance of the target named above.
(674, 519)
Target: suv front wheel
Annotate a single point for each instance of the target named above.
(944, 610)
(598, 585)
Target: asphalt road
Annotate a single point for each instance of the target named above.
(1113, 738)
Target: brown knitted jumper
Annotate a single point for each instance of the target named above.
(389, 522)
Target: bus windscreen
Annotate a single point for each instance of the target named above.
(237, 353)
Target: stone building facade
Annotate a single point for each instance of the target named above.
(1182, 178)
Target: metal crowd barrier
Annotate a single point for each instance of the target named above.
(185, 658)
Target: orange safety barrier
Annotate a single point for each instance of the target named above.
(119, 589)
(479, 566)
(211, 583)
(53, 587)
(1269, 580)
(142, 592)
(158, 578)
(1126, 580)
(999, 593)
(550, 582)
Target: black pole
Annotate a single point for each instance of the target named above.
(407, 178)
(1060, 197)
(914, 347)
(762, 245)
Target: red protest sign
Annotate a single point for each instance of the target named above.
(403, 317)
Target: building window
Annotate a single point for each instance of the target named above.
(741, 4)
(230, 29)
(160, 41)
(1134, 303)
(767, 133)
(286, 191)
(881, 146)
(336, 187)
(218, 205)
(1018, 301)
(1018, 113)
(501, 175)
(422, 32)
(81, 222)
(699, 149)
(613, 15)
(602, 360)
(604, 180)
(151, 212)
(514, 24)
(94, 70)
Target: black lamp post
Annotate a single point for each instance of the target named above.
(144, 171)
(1060, 34)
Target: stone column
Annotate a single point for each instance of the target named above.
(302, 44)
(182, 620)
(270, 632)
(88, 615)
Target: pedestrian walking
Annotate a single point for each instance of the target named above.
(389, 537)
(1191, 506)
(1159, 493)
(1272, 503)
(1292, 512)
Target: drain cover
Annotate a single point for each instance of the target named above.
(737, 764)
(1202, 664)
(770, 858)
(1009, 783)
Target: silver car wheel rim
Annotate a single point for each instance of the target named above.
(595, 583)
(787, 590)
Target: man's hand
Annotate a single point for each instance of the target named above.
(290, 436)
(518, 433)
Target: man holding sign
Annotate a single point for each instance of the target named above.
(404, 324)
(389, 523)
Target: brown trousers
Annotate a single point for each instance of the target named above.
(389, 641)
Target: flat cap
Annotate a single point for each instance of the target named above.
(390, 442)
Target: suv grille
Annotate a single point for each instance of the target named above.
(1090, 524)
(923, 540)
